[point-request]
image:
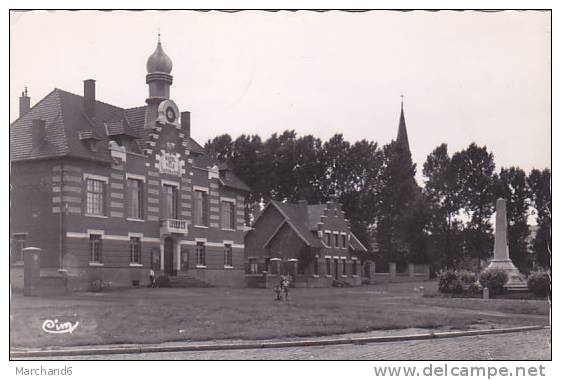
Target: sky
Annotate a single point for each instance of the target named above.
(465, 76)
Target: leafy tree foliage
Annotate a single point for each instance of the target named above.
(512, 187)
(398, 196)
(443, 205)
(475, 178)
(539, 182)
(446, 223)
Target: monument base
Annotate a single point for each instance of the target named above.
(515, 279)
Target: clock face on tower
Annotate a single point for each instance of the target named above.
(170, 114)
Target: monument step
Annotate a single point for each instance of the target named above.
(517, 287)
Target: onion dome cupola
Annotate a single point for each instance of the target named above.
(159, 61)
(158, 78)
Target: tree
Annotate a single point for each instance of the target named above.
(220, 148)
(442, 203)
(513, 188)
(334, 155)
(474, 168)
(539, 183)
(397, 196)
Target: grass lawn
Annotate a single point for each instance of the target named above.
(158, 315)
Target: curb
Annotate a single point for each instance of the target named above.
(140, 349)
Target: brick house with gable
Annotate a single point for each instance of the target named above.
(108, 193)
(311, 243)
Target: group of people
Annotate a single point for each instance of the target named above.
(281, 290)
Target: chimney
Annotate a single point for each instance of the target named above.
(331, 202)
(38, 133)
(186, 123)
(89, 97)
(24, 103)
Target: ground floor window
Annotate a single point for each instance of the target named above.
(253, 266)
(344, 267)
(316, 266)
(201, 259)
(355, 267)
(228, 255)
(18, 244)
(275, 266)
(134, 246)
(328, 267)
(300, 267)
(96, 251)
(267, 264)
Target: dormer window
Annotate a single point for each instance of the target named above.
(89, 139)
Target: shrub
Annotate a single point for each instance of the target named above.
(469, 281)
(467, 277)
(539, 283)
(448, 282)
(162, 282)
(494, 279)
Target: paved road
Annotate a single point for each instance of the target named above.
(530, 345)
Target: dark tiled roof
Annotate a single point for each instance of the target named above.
(304, 218)
(234, 182)
(67, 126)
(314, 214)
(296, 215)
(49, 109)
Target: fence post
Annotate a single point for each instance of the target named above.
(393, 270)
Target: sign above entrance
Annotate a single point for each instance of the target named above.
(170, 163)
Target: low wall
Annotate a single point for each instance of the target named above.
(415, 272)
(301, 281)
(99, 278)
(227, 278)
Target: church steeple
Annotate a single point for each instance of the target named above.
(402, 130)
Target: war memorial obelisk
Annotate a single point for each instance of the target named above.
(501, 259)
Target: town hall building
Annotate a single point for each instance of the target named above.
(109, 193)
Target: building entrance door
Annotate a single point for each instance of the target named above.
(168, 256)
(336, 269)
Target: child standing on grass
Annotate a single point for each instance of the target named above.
(152, 275)
(278, 291)
(285, 284)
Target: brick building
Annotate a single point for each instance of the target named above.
(109, 193)
(311, 243)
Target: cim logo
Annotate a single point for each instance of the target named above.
(56, 327)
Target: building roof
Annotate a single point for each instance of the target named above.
(296, 216)
(67, 126)
(303, 219)
(159, 61)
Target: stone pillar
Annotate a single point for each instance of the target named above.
(411, 268)
(393, 270)
(31, 270)
(501, 258)
(501, 245)
(178, 255)
(162, 255)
